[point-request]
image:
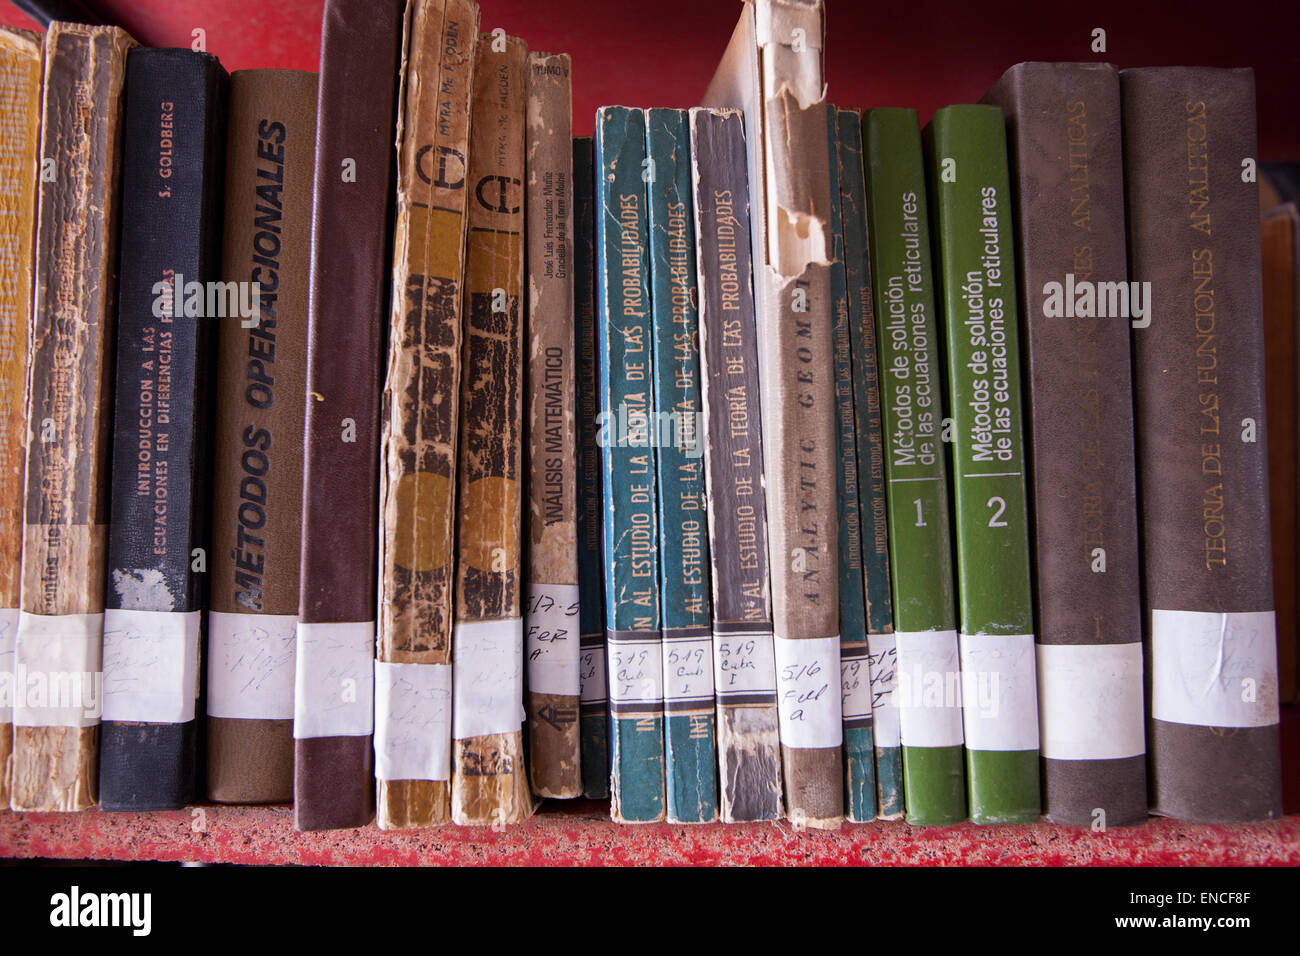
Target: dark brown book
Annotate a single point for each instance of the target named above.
(356, 112)
(1063, 125)
(20, 149)
(421, 416)
(1280, 248)
(65, 528)
(489, 783)
(552, 601)
(1202, 441)
(257, 439)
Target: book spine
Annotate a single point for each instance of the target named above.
(626, 356)
(880, 657)
(796, 369)
(855, 669)
(1198, 370)
(172, 181)
(489, 783)
(356, 105)
(1063, 121)
(920, 544)
(65, 530)
(975, 272)
(420, 418)
(591, 566)
(21, 66)
(749, 755)
(259, 396)
(1280, 255)
(689, 734)
(552, 598)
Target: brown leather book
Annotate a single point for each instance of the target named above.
(1063, 124)
(1202, 443)
(421, 414)
(356, 112)
(20, 149)
(551, 597)
(773, 70)
(1280, 248)
(65, 529)
(257, 448)
(489, 784)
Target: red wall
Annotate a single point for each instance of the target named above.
(884, 53)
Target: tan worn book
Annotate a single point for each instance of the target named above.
(551, 597)
(489, 785)
(773, 70)
(20, 146)
(257, 439)
(65, 530)
(420, 415)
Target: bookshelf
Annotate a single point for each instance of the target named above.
(662, 54)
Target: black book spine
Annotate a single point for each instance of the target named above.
(172, 183)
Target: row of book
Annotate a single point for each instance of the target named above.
(688, 466)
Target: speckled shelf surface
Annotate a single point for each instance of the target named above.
(586, 836)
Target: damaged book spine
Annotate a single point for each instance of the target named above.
(21, 67)
(773, 70)
(552, 599)
(749, 748)
(65, 530)
(489, 781)
(420, 416)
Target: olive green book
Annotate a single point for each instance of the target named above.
(970, 201)
(927, 690)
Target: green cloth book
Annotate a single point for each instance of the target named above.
(970, 194)
(928, 691)
(855, 670)
(878, 639)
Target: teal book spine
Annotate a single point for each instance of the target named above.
(880, 667)
(855, 669)
(593, 708)
(927, 672)
(634, 647)
(970, 194)
(690, 763)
